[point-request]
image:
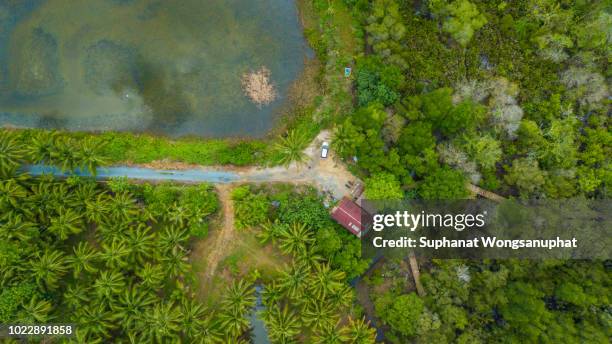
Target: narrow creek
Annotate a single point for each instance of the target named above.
(259, 335)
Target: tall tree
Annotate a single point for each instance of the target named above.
(283, 325)
(47, 268)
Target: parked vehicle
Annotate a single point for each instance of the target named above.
(324, 149)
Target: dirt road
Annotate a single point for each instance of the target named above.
(226, 231)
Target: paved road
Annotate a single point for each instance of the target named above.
(326, 174)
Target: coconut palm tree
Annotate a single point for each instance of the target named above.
(108, 285)
(98, 208)
(240, 295)
(342, 297)
(11, 195)
(108, 231)
(329, 335)
(296, 239)
(359, 332)
(237, 302)
(81, 337)
(15, 227)
(294, 280)
(171, 237)
(95, 320)
(11, 154)
(197, 322)
(162, 323)
(345, 139)
(283, 326)
(270, 231)
(309, 257)
(176, 262)
(41, 146)
(114, 254)
(66, 223)
(271, 294)
(44, 200)
(84, 258)
(85, 190)
(122, 207)
(47, 268)
(140, 243)
(64, 154)
(131, 304)
(35, 311)
(89, 155)
(233, 321)
(209, 331)
(151, 276)
(324, 280)
(76, 295)
(177, 215)
(290, 148)
(318, 314)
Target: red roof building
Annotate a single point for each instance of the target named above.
(350, 216)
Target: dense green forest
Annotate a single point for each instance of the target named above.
(512, 96)
(496, 301)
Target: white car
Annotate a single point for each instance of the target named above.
(324, 149)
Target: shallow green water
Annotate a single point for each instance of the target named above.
(164, 66)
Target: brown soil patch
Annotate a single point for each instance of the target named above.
(226, 234)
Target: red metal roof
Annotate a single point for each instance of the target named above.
(350, 216)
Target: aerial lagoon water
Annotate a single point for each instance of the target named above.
(170, 67)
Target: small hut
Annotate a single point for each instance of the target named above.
(351, 216)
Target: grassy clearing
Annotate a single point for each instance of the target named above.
(244, 258)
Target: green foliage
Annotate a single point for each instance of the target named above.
(305, 208)
(12, 298)
(119, 184)
(11, 153)
(519, 300)
(290, 148)
(526, 176)
(400, 312)
(377, 82)
(100, 260)
(92, 150)
(250, 209)
(386, 31)
(484, 150)
(443, 184)
(512, 88)
(464, 19)
(342, 250)
(383, 186)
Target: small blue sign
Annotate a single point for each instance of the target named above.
(347, 71)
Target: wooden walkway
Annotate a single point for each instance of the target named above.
(414, 265)
(475, 190)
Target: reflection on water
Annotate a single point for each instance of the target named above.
(171, 67)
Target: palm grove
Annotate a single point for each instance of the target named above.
(112, 259)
